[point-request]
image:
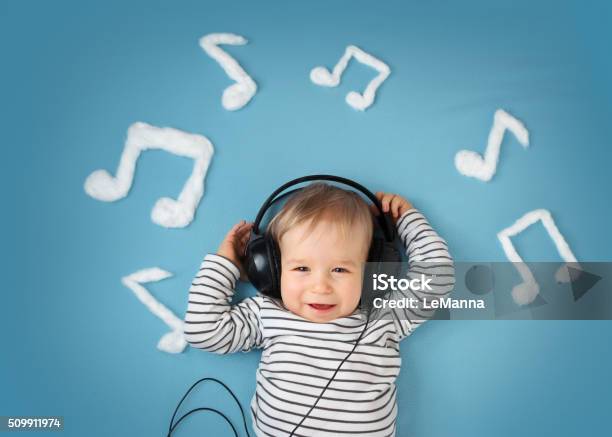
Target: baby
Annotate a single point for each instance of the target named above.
(324, 233)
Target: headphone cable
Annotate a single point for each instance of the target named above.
(173, 425)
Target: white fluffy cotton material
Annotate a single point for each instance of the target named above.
(527, 291)
(170, 213)
(322, 76)
(239, 94)
(174, 341)
(471, 164)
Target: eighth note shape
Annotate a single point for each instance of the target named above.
(101, 185)
(526, 292)
(470, 163)
(322, 76)
(239, 94)
(174, 341)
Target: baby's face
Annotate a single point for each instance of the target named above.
(322, 270)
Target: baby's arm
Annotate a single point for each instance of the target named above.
(427, 255)
(211, 323)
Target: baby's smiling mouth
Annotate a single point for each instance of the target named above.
(321, 306)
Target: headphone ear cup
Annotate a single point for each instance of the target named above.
(383, 251)
(374, 259)
(376, 249)
(383, 257)
(258, 264)
(274, 259)
(390, 259)
(390, 254)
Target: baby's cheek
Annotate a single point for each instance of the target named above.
(357, 292)
(351, 296)
(290, 292)
(355, 301)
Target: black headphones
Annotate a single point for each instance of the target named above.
(262, 254)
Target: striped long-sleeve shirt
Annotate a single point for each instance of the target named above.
(299, 356)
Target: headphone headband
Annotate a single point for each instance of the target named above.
(383, 219)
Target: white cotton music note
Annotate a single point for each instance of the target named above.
(527, 291)
(471, 164)
(239, 94)
(322, 76)
(101, 185)
(174, 341)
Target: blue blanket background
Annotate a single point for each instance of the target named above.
(76, 342)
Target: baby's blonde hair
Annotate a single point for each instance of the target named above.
(323, 202)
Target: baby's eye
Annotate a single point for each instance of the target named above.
(301, 269)
(340, 270)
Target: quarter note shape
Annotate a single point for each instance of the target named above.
(174, 341)
(526, 292)
(239, 94)
(471, 164)
(322, 76)
(170, 213)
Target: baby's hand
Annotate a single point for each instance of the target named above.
(234, 244)
(393, 203)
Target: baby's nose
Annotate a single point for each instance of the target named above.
(322, 286)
